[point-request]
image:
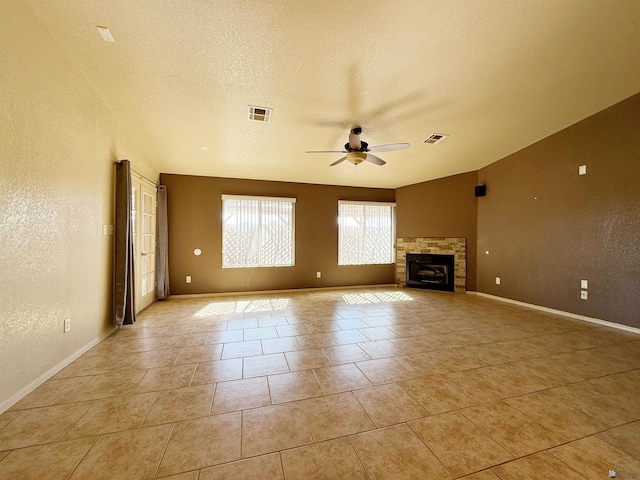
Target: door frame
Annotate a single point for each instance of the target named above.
(143, 185)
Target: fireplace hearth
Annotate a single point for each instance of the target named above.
(431, 271)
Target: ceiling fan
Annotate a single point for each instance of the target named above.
(357, 151)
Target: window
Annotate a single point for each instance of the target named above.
(366, 233)
(257, 231)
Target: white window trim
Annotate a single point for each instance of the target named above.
(258, 198)
(378, 204)
(261, 199)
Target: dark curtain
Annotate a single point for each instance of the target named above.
(123, 279)
(162, 248)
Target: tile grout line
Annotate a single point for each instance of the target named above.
(151, 404)
(83, 457)
(348, 437)
(432, 452)
(213, 396)
(164, 451)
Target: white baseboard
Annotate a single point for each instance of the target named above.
(20, 394)
(575, 316)
(292, 290)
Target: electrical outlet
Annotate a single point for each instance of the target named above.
(584, 284)
(582, 170)
(584, 295)
(67, 325)
(188, 279)
(318, 274)
(497, 280)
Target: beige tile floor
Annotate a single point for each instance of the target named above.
(345, 384)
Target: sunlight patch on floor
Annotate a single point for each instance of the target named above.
(377, 297)
(244, 306)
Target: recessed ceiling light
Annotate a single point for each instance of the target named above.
(204, 148)
(435, 138)
(260, 114)
(105, 34)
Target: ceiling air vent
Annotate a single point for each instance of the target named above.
(259, 114)
(435, 138)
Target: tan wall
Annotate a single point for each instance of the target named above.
(546, 227)
(58, 142)
(194, 209)
(446, 207)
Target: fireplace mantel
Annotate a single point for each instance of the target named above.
(456, 246)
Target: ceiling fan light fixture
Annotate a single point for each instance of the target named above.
(356, 157)
(358, 151)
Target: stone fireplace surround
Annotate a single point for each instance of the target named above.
(456, 246)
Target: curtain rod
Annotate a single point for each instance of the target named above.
(142, 176)
(133, 170)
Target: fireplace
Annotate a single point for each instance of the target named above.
(454, 246)
(431, 271)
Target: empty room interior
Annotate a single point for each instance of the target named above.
(286, 240)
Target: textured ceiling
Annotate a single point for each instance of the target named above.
(495, 75)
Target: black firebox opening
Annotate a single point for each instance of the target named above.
(431, 271)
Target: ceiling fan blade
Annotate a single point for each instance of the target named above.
(374, 159)
(389, 147)
(338, 161)
(326, 151)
